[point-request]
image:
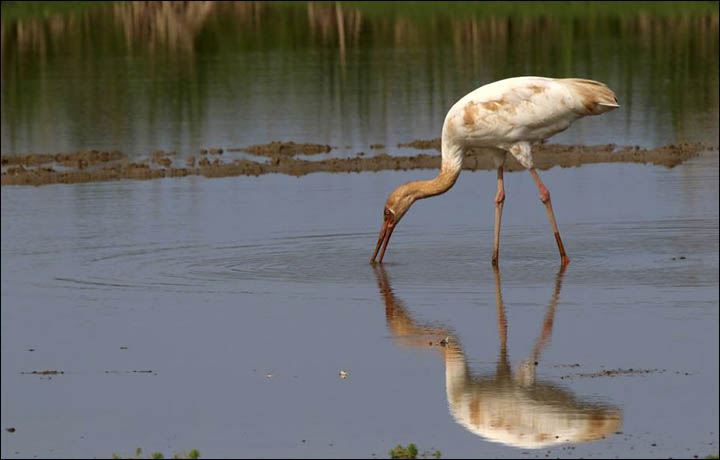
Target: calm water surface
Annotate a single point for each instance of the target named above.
(245, 297)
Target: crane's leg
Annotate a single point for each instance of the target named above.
(545, 198)
(499, 201)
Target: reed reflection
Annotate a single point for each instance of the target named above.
(130, 75)
(508, 406)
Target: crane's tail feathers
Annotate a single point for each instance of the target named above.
(594, 97)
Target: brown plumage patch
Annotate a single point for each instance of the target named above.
(450, 127)
(536, 89)
(494, 105)
(600, 424)
(469, 114)
(476, 415)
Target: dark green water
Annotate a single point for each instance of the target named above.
(144, 77)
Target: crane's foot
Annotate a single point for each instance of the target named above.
(563, 256)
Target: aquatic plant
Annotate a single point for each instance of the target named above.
(404, 452)
(411, 452)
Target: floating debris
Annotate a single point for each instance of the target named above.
(44, 372)
(132, 372)
(615, 373)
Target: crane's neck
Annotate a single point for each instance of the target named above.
(404, 196)
(452, 157)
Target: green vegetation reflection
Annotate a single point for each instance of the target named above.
(99, 68)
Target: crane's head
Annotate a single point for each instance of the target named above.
(396, 206)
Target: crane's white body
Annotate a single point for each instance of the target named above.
(513, 113)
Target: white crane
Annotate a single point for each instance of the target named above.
(505, 116)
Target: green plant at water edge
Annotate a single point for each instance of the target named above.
(404, 452)
(193, 454)
(158, 455)
(411, 451)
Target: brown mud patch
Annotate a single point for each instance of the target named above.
(290, 148)
(157, 154)
(546, 156)
(549, 155)
(77, 160)
(430, 144)
(166, 162)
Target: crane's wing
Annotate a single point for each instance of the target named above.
(525, 109)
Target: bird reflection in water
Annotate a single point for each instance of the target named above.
(509, 407)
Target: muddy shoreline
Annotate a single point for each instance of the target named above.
(100, 166)
(277, 148)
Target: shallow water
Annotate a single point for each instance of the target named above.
(246, 296)
(212, 284)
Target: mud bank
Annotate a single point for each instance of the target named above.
(546, 156)
(284, 149)
(549, 155)
(420, 144)
(78, 160)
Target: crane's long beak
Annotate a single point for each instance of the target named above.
(385, 233)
